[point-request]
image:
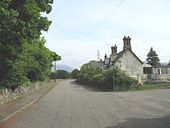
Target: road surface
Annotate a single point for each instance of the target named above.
(70, 105)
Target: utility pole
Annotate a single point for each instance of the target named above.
(98, 55)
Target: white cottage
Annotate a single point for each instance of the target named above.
(125, 60)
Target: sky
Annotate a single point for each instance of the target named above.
(82, 27)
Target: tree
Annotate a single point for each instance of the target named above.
(152, 58)
(23, 55)
(60, 74)
(75, 73)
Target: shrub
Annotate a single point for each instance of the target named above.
(114, 79)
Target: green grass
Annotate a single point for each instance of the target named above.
(150, 86)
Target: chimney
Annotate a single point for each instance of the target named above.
(114, 49)
(127, 43)
(105, 56)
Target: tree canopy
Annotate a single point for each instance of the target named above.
(114, 79)
(60, 74)
(75, 73)
(23, 55)
(152, 58)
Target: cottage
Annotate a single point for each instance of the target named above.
(125, 60)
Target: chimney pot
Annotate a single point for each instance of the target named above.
(127, 43)
(114, 49)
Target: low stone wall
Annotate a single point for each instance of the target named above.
(7, 96)
(162, 77)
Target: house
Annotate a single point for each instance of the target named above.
(125, 60)
(161, 73)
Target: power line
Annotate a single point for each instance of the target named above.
(106, 17)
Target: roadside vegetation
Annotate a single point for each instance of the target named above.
(151, 85)
(60, 74)
(114, 79)
(23, 55)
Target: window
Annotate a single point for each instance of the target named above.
(147, 70)
(159, 71)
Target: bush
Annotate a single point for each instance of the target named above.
(74, 73)
(114, 79)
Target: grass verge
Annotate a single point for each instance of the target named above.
(150, 86)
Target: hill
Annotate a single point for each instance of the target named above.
(63, 67)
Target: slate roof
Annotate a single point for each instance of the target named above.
(120, 54)
(162, 66)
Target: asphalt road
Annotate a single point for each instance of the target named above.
(73, 106)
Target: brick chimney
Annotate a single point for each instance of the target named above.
(105, 56)
(114, 49)
(127, 43)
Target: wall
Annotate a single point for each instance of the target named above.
(7, 96)
(131, 65)
(162, 77)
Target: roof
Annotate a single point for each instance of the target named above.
(162, 66)
(120, 54)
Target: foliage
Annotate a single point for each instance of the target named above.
(75, 73)
(114, 79)
(60, 74)
(152, 58)
(23, 56)
(55, 56)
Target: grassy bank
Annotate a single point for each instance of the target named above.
(150, 86)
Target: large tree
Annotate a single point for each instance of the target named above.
(75, 73)
(23, 55)
(152, 58)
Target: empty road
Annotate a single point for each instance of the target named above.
(73, 106)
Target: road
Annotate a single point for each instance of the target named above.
(70, 105)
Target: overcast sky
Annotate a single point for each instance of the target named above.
(82, 27)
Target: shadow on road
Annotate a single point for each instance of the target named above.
(87, 87)
(144, 123)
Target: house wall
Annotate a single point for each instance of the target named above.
(131, 65)
(161, 73)
(112, 57)
(161, 77)
(106, 61)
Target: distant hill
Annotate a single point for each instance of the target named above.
(63, 67)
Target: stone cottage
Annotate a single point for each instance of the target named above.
(125, 60)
